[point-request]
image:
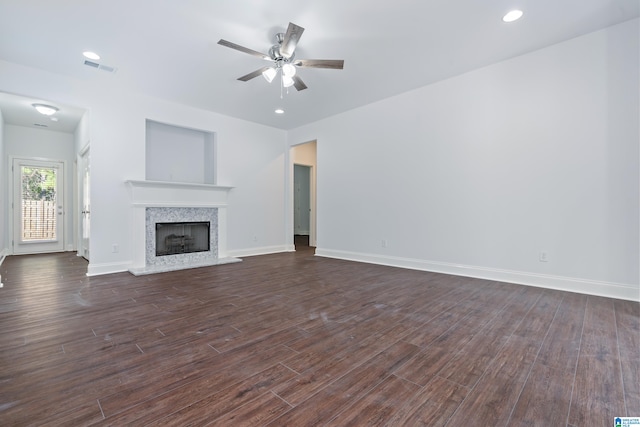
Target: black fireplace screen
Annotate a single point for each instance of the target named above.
(181, 237)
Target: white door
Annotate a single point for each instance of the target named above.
(85, 202)
(38, 209)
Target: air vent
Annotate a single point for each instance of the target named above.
(40, 125)
(102, 67)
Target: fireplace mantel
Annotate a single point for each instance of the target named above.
(159, 194)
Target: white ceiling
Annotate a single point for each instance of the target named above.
(168, 48)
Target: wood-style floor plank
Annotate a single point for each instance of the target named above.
(340, 394)
(546, 396)
(378, 406)
(433, 405)
(294, 339)
(598, 388)
(628, 325)
(497, 392)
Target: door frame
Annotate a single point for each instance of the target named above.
(291, 160)
(42, 247)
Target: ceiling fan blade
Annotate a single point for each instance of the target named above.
(298, 83)
(336, 64)
(290, 40)
(243, 49)
(253, 74)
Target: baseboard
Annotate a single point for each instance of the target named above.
(570, 284)
(107, 268)
(264, 250)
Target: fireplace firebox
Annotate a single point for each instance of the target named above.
(182, 237)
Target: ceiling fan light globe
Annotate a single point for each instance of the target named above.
(269, 74)
(287, 81)
(289, 70)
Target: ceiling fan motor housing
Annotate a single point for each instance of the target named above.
(276, 54)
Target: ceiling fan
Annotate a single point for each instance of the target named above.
(282, 56)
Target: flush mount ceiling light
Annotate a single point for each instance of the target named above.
(91, 55)
(513, 15)
(279, 111)
(47, 110)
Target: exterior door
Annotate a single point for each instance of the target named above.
(38, 209)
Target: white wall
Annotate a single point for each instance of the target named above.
(250, 156)
(478, 174)
(177, 154)
(25, 142)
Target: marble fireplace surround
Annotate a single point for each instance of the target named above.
(157, 201)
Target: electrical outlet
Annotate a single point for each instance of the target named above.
(115, 248)
(544, 256)
(384, 243)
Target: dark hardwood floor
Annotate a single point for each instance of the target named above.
(296, 340)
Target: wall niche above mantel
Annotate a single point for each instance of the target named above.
(179, 154)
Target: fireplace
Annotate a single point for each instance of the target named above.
(182, 237)
(178, 226)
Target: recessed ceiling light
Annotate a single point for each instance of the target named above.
(47, 110)
(91, 55)
(279, 111)
(514, 15)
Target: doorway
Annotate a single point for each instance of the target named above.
(303, 193)
(38, 206)
(301, 203)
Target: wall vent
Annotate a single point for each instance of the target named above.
(102, 67)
